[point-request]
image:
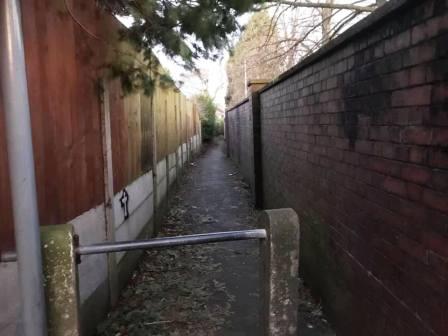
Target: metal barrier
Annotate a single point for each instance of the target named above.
(123, 246)
(279, 250)
(194, 239)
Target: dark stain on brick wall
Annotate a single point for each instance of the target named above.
(241, 136)
(355, 139)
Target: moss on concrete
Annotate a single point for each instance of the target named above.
(60, 280)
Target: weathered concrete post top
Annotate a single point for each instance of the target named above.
(280, 272)
(255, 85)
(61, 280)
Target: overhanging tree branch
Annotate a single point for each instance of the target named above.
(297, 4)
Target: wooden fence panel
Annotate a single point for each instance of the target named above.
(119, 134)
(146, 133)
(131, 135)
(184, 121)
(6, 223)
(68, 45)
(160, 106)
(65, 109)
(172, 127)
(133, 110)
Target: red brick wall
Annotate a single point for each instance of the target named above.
(355, 139)
(241, 148)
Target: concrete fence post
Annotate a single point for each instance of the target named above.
(280, 272)
(60, 280)
(108, 171)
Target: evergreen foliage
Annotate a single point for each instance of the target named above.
(185, 28)
(208, 116)
(190, 29)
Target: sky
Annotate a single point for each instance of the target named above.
(213, 71)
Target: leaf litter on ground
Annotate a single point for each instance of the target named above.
(173, 291)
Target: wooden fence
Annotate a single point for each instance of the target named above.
(68, 43)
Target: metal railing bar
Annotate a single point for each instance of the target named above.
(194, 239)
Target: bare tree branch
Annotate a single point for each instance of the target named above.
(295, 29)
(326, 14)
(342, 23)
(297, 4)
(273, 24)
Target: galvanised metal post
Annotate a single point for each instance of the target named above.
(21, 169)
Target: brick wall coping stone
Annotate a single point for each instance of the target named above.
(245, 100)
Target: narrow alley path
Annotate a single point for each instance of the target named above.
(197, 290)
(203, 290)
(219, 201)
(222, 201)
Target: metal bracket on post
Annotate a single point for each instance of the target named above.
(280, 272)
